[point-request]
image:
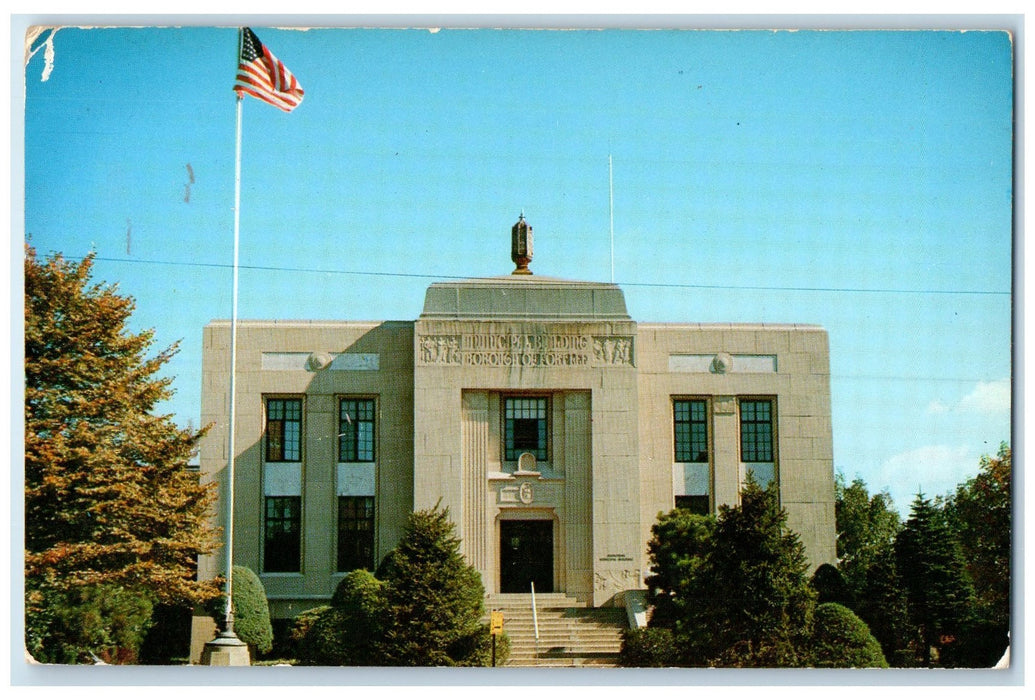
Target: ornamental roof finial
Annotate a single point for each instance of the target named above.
(521, 246)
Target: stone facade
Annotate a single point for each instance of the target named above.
(537, 410)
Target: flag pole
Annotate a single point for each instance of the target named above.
(229, 612)
(227, 649)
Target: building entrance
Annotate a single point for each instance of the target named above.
(526, 556)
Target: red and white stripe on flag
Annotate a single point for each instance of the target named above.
(261, 75)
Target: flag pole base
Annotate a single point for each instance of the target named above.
(226, 650)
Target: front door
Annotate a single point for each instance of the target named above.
(526, 556)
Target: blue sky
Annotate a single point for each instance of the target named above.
(857, 180)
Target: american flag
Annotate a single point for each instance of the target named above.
(261, 75)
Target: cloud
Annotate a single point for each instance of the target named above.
(933, 470)
(988, 397)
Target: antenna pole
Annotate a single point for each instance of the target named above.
(611, 211)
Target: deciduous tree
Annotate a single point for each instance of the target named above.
(108, 498)
(866, 525)
(980, 514)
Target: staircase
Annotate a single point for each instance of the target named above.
(570, 633)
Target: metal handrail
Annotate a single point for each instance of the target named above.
(535, 620)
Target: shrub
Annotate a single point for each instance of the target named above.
(841, 640)
(251, 610)
(648, 647)
(349, 631)
(93, 622)
(313, 637)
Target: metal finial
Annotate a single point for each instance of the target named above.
(521, 246)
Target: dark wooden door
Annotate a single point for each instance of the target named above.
(526, 556)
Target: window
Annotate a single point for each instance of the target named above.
(525, 427)
(356, 430)
(283, 546)
(283, 430)
(691, 430)
(691, 468)
(698, 505)
(756, 430)
(355, 532)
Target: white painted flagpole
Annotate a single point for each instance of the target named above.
(227, 649)
(232, 426)
(232, 457)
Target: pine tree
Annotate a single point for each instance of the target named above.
(938, 589)
(735, 590)
(677, 549)
(881, 604)
(434, 598)
(108, 497)
(761, 613)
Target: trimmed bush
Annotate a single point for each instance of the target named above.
(648, 647)
(315, 636)
(841, 640)
(251, 611)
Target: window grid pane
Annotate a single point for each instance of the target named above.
(756, 431)
(356, 430)
(525, 427)
(355, 533)
(283, 540)
(691, 430)
(283, 430)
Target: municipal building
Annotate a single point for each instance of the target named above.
(553, 426)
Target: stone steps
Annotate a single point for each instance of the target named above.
(570, 633)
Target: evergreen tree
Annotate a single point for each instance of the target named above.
(109, 501)
(881, 604)
(829, 585)
(938, 590)
(762, 605)
(679, 543)
(434, 598)
(734, 591)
